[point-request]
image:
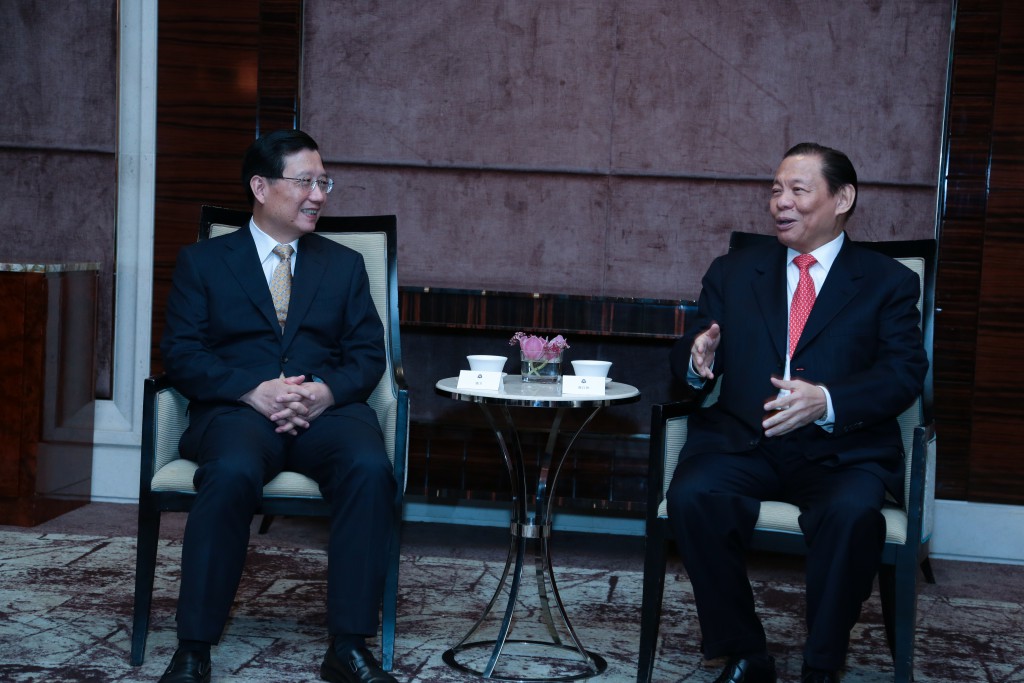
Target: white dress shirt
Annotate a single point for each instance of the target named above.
(825, 256)
(265, 250)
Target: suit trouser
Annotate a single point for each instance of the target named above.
(713, 504)
(238, 453)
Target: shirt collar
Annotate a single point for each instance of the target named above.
(265, 243)
(825, 255)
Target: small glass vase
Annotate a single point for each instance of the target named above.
(543, 371)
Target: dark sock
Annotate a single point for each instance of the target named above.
(347, 642)
(198, 646)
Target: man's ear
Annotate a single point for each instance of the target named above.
(844, 199)
(258, 185)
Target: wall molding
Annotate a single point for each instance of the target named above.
(612, 173)
(118, 421)
(978, 532)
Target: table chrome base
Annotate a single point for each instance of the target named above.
(531, 525)
(596, 665)
(529, 529)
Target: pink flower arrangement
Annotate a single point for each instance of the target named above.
(538, 348)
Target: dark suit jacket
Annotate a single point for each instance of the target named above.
(222, 337)
(861, 341)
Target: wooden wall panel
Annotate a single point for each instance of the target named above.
(47, 364)
(280, 62)
(225, 71)
(979, 373)
(959, 274)
(997, 473)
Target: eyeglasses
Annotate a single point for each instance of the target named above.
(310, 184)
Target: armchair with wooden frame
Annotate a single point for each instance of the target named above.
(166, 479)
(908, 527)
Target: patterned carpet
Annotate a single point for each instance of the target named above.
(65, 613)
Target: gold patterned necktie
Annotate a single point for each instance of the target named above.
(803, 300)
(281, 282)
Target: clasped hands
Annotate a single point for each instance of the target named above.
(799, 403)
(291, 403)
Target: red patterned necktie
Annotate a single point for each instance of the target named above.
(803, 300)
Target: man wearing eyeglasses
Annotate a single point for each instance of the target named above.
(273, 337)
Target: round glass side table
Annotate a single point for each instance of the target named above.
(531, 525)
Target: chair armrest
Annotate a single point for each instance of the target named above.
(158, 382)
(402, 436)
(920, 503)
(662, 412)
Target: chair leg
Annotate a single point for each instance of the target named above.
(906, 621)
(650, 610)
(265, 523)
(389, 608)
(898, 588)
(145, 571)
(926, 569)
(887, 594)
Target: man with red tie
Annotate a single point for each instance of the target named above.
(815, 343)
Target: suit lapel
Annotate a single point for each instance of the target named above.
(310, 266)
(842, 284)
(242, 261)
(769, 289)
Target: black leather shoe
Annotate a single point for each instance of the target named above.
(356, 666)
(740, 670)
(809, 675)
(187, 666)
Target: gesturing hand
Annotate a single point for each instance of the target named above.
(702, 353)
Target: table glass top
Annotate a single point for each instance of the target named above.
(516, 392)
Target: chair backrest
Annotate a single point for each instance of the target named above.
(375, 238)
(919, 256)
